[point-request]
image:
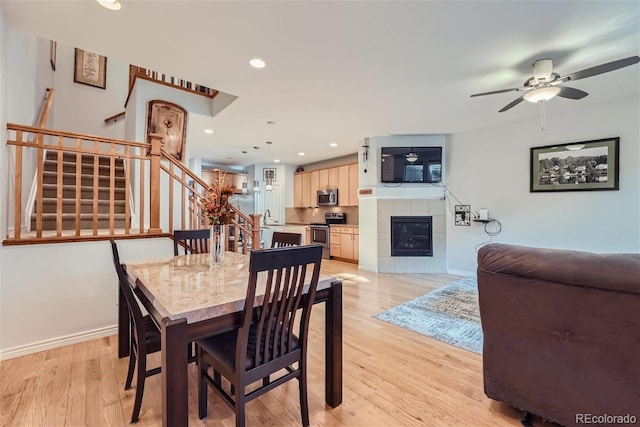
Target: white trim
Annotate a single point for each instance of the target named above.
(58, 342)
(461, 272)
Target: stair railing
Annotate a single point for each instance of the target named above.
(150, 175)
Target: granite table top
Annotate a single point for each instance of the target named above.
(186, 287)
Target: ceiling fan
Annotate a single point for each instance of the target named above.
(545, 84)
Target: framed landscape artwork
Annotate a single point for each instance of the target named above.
(169, 120)
(90, 69)
(576, 166)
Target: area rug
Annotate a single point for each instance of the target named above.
(449, 314)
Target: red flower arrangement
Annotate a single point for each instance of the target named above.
(216, 206)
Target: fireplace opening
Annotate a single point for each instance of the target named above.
(411, 236)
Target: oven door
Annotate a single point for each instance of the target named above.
(320, 234)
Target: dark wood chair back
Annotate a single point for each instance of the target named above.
(281, 239)
(145, 337)
(191, 241)
(265, 343)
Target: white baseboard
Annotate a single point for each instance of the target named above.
(36, 347)
(462, 272)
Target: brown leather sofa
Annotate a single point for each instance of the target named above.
(562, 332)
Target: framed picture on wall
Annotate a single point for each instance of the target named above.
(576, 166)
(90, 69)
(169, 120)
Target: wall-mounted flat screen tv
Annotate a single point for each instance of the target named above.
(411, 164)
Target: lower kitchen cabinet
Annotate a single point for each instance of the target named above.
(344, 243)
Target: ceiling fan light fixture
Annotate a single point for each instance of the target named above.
(411, 157)
(542, 94)
(110, 4)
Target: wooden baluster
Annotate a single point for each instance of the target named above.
(183, 197)
(96, 173)
(141, 201)
(59, 187)
(40, 184)
(78, 185)
(17, 191)
(171, 179)
(112, 189)
(127, 190)
(154, 184)
(255, 230)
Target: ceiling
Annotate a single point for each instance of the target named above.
(341, 71)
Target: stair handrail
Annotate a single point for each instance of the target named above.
(247, 224)
(142, 154)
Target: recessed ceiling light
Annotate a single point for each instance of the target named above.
(209, 131)
(110, 4)
(301, 153)
(333, 144)
(276, 160)
(257, 63)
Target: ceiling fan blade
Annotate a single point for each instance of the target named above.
(603, 68)
(496, 91)
(512, 104)
(571, 93)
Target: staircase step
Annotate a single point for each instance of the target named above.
(86, 221)
(86, 206)
(49, 191)
(86, 159)
(69, 178)
(70, 167)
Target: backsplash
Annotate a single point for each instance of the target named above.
(309, 215)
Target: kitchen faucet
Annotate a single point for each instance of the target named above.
(267, 214)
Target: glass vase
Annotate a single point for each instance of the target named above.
(217, 241)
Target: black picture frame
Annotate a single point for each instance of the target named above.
(576, 166)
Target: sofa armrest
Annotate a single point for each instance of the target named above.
(616, 272)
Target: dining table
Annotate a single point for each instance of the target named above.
(190, 300)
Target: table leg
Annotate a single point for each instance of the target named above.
(175, 405)
(333, 346)
(124, 332)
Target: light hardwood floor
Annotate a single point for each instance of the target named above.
(392, 376)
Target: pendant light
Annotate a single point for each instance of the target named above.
(269, 175)
(256, 183)
(244, 172)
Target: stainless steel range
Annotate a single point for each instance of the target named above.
(320, 232)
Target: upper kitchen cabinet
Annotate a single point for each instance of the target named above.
(348, 185)
(298, 196)
(344, 178)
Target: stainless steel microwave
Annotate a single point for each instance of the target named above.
(327, 197)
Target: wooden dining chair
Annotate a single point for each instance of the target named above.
(265, 342)
(281, 239)
(191, 241)
(145, 337)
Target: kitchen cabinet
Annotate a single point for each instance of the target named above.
(313, 178)
(332, 176)
(298, 197)
(344, 243)
(335, 243)
(353, 184)
(323, 179)
(343, 185)
(307, 199)
(344, 178)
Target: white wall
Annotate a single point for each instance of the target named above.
(81, 108)
(489, 168)
(58, 294)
